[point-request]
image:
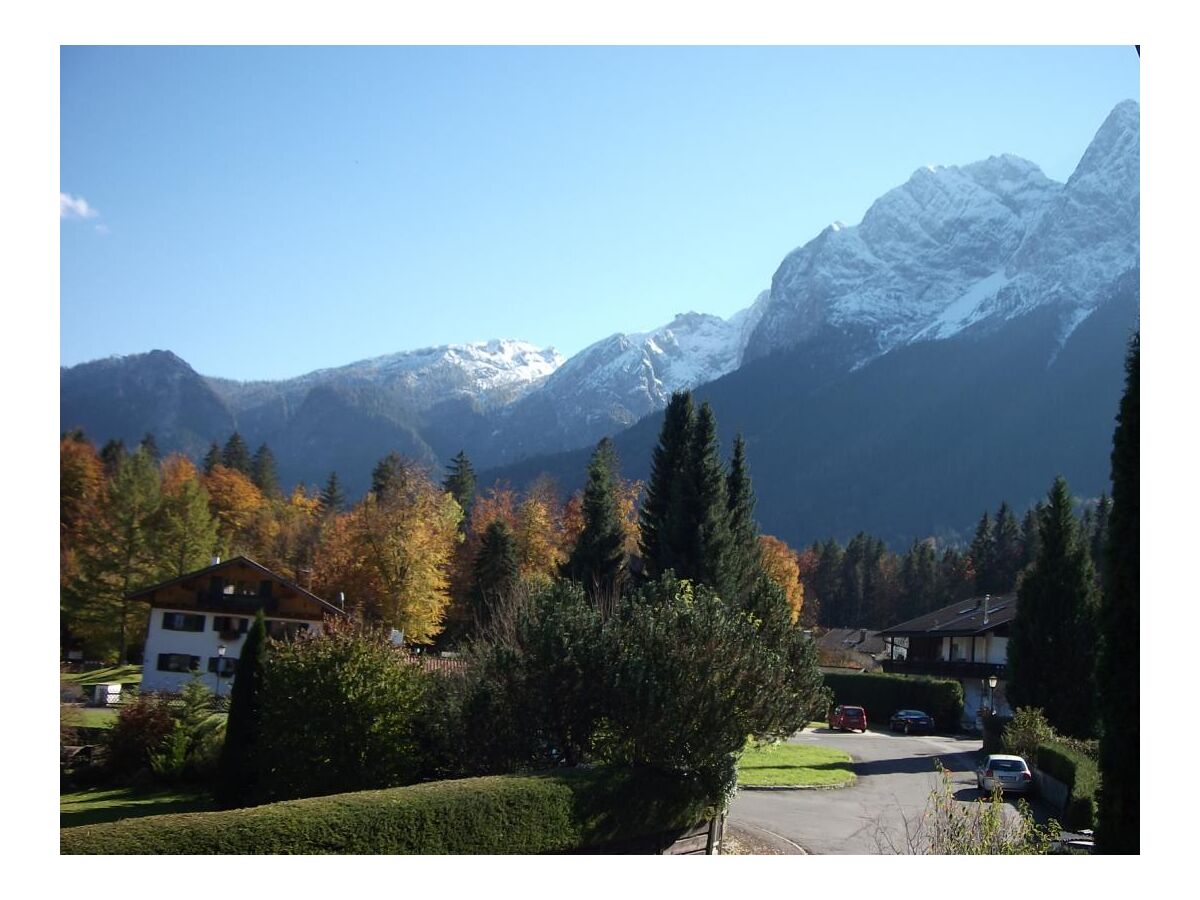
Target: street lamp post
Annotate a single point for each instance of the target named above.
(220, 665)
(991, 683)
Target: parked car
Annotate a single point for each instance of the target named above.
(1009, 773)
(848, 718)
(910, 720)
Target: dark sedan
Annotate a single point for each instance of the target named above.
(911, 720)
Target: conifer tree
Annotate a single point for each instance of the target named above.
(496, 571)
(983, 556)
(185, 530)
(828, 580)
(236, 455)
(150, 445)
(919, 577)
(1118, 676)
(707, 511)
(1031, 535)
(598, 559)
(390, 474)
(119, 554)
(460, 483)
(212, 458)
(262, 472)
(111, 454)
(1051, 653)
(745, 555)
(1007, 557)
(661, 538)
(1098, 539)
(237, 770)
(332, 498)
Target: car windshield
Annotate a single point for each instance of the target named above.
(853, 711)
(1008, 765)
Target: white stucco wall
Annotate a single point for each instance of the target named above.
(195, 643)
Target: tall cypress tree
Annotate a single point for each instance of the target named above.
(262, 471)
(212, 458)
(460, 484)
(237, 770)
(333, 499)
(1051, 653)
(707, 511)
(745, 562)
(598, 559)
(496, 571)
(1119, 827)
(661, 532)
(236, 455)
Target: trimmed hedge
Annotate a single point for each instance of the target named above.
(1082, 778)
(882, 695)
(548, 813)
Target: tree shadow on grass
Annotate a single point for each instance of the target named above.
(134, 806)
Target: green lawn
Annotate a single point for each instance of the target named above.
(92, 717)
(794, 765)
(109, 675)
(110, 804)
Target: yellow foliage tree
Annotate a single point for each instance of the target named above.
(235, 501)
(781, 564)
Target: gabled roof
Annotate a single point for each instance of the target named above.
(963, 618)
(224, 564)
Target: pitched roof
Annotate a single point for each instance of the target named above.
(963, 618)
(243, 560)
(852, 639)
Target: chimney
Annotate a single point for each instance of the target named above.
(862, 635)
(341, 600)
(216, 561)
(986, 603)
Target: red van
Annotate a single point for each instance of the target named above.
(848, 718)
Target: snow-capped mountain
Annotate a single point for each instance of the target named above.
(490, 373)
(959, 247)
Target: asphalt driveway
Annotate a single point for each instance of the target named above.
(895, 777)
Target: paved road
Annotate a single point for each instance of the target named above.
(895, 776)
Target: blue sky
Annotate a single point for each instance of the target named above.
(264, 212)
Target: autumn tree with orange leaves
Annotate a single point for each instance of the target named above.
(781, 564)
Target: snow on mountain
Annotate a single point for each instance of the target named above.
(489, 372)
(958, 247)
(625, 376)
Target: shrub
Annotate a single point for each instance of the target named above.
(549, 813)
(994, 726)
(1081, 776)
(141, 729)
(882, 695)
(1026, 732)
(338, 713)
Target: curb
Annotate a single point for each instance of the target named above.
(797, 787)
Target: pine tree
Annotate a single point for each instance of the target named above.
(983, 556)
(919, 577)
(1031, 535)
(598, 560)
(1051, 653)
(212, 458)
(237, 771)
(236, 454)
(661, 537)
(263, 474)
(707, 511)
(1098, 539)
(390, 474)
(1118, 671)
(496, 572)
(828, 579)
(745, 556)
(460, 483)
(150, 445)
(333, 500)
(1007, 558)
(111, 454)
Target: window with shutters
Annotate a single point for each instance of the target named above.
(173, 621)
(177, 662)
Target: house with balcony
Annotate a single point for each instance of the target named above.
(199, 621)
(966, 641)
(853, 648)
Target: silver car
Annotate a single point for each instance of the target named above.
(1009, 773)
